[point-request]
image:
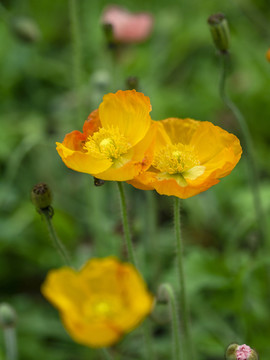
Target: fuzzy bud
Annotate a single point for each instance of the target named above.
(240, 352)
(41, 196)
(220, 31)
(7, 316)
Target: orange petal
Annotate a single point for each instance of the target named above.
(128, 111)
(92, 124)
(171, 187)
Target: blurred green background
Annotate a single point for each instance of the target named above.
(178, 68)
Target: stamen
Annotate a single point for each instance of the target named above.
(107, 144)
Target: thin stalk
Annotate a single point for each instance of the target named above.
(76, 52)
(183, 299)
(106, 354)
(11, 343)
(132, 257)
(251, 166)
(147, 341)
(167, 290)
(56, 241)
(126, 229)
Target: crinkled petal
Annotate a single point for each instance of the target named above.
(128, 111)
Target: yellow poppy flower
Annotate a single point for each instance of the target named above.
(116, 138)
(99, 303)
(190, 156)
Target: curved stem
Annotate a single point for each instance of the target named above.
(11, 343)
(126, 229)
(167, 290)
(251, 166)
(183, 300)
(56, 241)
(76, 51)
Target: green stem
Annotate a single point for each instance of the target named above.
(167, 290)
(132, 257)
(106, 354)
(126, 229)
(251, 166)
(183, 300)
(147, 341)
(56, 241)
(76, 51)
(11, 343)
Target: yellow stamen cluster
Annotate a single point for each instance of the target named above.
(175, 159)
(107, 144)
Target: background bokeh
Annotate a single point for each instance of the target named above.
(228, 281)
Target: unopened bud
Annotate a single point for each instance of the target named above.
(7, 316)
(25, 29)
(240, 352)
(98, 182)
(132, 82)
(220, 31)
(41, 196)
(108, 32)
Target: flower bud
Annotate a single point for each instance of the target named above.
(132, 82)
(220, 31)
(108, 32)
(41, 196)
(7, 316)
(25, 29)
(98, 182)
(240, 352)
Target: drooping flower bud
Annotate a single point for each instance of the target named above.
(7, 316)
(240, 352)
(220, 31)
(41, 196)
(25, 29)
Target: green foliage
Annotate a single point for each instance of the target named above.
(228, 283)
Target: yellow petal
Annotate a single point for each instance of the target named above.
(95, 334)
(81, 161)
(64, 289)
(128, 111)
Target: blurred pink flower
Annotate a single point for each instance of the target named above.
(243, 352)
(127, 27)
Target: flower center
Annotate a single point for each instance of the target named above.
(175, 159)
(178, 162)
(107, 144)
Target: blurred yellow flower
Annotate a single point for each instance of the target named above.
(116, 140)
(189, 157)
(99, 303)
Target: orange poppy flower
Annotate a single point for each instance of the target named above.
(190, 156)
(116, 140)
(99, 303)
